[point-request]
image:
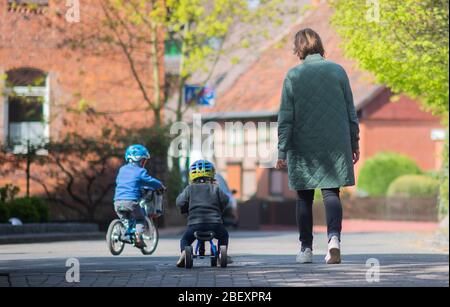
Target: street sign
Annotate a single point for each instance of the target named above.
(199, 95)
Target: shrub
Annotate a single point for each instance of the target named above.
(4, 213)
(414, 185)
(29, 210)
(23, 210)
(443, 192)
(42, 209)
(378, 172)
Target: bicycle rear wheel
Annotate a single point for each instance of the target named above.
(115, 230)
(150, 237)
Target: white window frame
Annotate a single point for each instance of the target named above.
(32, 91)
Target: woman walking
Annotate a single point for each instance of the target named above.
(318, 133)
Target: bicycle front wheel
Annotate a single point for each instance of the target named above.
(150, 237)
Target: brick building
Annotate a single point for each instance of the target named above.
(399, 126)
(43, 77)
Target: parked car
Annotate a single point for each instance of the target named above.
(230, 216)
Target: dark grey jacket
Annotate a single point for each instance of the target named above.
(204, 203)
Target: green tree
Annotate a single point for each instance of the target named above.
(198, 29)
(138, 29)
(194, 24)
(405, 44)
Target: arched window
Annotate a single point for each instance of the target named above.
(26, 109)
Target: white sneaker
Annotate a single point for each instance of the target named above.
(334, 251)
(305, 256)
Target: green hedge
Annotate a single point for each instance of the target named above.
(381, 170)
(444, 186)
(28, 210)
(4, 213)
(42, 209)
(414, 186)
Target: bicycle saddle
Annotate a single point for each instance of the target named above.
(204, 235)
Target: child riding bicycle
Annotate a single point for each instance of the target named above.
(132, 177)
(204, 202)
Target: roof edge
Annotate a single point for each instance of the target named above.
(371, 96)
(239, 115)
(266, 114)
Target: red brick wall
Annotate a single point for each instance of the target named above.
(403, 108)
(401, 126)
(262, 178)
(104, 80)
(411, 138)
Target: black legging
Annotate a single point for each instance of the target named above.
(333, 208)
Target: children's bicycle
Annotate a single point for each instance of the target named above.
(123, 231)
(218, 254)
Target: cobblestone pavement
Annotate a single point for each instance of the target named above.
(260, 259)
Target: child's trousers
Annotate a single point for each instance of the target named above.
(189, 237)
(129, 209)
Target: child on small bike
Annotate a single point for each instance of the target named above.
(204, 202)
(132, 177)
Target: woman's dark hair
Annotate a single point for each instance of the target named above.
(307, 42)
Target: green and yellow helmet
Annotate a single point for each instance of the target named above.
(201, 169)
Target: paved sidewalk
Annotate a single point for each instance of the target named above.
(260, 259)
(371, 226)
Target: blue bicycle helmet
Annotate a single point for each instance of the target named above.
(201, 169)
(136, 153)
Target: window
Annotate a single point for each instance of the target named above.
(234, 134)
(172, 56)
(263, 132)
(253, 4)
(27, 6)
(276, 182)
(215, 43)
(172, 48)
(26, 106)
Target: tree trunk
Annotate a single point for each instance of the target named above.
(156, 75)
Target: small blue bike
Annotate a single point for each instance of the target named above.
(218, 254)
(123, 231)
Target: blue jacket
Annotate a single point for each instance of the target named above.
(130, 179)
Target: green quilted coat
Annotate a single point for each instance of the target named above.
(317, 125)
